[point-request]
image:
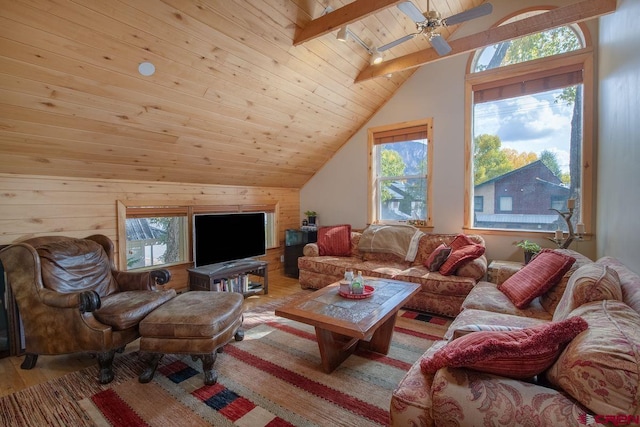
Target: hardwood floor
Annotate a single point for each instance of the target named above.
(49, 367)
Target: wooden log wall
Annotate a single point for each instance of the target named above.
(33, 206)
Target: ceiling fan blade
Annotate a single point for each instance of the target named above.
(411, 11)
(439, 44)
(475, 12)
(396, 42)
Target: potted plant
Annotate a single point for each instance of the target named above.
(530, 249)
(311, 216)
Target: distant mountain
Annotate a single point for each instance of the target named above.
(412, 153)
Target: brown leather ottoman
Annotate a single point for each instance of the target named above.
(198, 323)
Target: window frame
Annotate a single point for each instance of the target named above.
(145, 209)
(372, 211)
(538, 68)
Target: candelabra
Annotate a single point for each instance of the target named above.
(559, 238)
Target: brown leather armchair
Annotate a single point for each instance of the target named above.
(72, 299)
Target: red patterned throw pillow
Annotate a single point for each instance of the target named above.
(537, 277)
(437, 257)
(463, 249)
(519, 354)
(461, 240)
(334, 240)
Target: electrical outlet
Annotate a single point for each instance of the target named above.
(281, 258)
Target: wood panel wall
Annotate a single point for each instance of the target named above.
(33, 206)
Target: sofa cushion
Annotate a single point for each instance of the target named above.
(519, 354)
(460, 256)
(535, 278)
(124, 310)
(334, 240)
(629, 281)
(475, 269)
(486, 296)
(601, 368)
(473, 317)
(591, 282)
(437, 257)
(475, 327)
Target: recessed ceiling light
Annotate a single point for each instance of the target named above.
(146, 68)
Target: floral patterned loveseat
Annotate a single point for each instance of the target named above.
(441, 294)
(594, 380)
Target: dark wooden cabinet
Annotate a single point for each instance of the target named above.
(294, 245)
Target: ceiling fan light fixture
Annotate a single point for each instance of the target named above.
(377, 57)
(343, 34)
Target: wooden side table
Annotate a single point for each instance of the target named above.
(499, 270)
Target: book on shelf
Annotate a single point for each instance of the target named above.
(240, 283)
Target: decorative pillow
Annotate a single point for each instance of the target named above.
(460, 256)
(519, 354)
(591, 282)
(460, 241)
(437, 257)
(537, 277)
(601, 368)
(334, 240)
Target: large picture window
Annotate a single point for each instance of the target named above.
(399, 165)
(528, 142)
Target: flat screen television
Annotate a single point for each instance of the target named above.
(228, 237)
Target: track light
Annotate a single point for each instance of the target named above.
(343, 34)
(376, 57)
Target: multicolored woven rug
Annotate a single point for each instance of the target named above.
(271, 378)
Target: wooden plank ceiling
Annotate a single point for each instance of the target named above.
(233, 101)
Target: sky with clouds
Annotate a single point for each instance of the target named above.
(531, 123)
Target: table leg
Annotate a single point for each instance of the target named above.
(334, 348)
(380, 341)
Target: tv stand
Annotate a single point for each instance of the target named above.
(231, 276)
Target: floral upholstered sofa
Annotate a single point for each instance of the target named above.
(493, 368)
(443, 289)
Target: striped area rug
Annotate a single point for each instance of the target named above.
(271, 378)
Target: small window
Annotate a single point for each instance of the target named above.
(506, 203)
(157, 238)
(399, 167)
(559, 203)
(478, 203)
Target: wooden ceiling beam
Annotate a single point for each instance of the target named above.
(565, 15)
(352, 12)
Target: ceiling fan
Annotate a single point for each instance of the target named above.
(427, 23)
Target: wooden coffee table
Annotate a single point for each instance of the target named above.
(343, 324)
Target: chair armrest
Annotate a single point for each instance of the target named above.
(141, 280)
(85, 301)
(464, 394)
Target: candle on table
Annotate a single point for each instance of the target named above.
(571, 203)
(580, 228)
(558, 234)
